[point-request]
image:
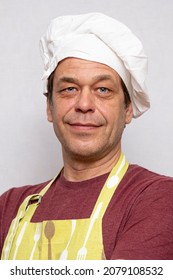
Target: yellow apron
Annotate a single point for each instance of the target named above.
(61, 239)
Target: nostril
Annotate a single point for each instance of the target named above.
(85, 102)
(83, 109)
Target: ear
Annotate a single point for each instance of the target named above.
(49, 111)
(129, 113)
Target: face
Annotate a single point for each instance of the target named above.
(87, 109)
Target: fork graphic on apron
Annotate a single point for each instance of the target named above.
(81, 255)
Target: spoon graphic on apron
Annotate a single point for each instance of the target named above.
(49, 232)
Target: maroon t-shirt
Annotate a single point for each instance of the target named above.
(138, 223)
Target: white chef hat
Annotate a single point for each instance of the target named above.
(97, 37)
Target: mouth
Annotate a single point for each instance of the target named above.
(84, 126)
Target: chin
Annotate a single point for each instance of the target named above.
(85, 154)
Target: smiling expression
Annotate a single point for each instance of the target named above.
(87, 109)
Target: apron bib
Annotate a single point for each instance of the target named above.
(79, 239)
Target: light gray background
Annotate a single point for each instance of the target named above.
(29, 151)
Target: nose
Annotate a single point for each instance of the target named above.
(85, 101)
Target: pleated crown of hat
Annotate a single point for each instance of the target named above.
(100, 38)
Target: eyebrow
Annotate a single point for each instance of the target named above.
(68, 79)
(103, 77)
(96, 79)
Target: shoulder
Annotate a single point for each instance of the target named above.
(150, 199)
(143, 179)
(145, 201)
(12, 199)
(10, 202)
(145, 175)
(16, 193)
(144, 193)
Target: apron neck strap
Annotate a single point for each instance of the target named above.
(111, 184)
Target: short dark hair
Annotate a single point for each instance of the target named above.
(127, 99)
(48, 94)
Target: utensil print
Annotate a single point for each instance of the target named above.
(8, 247)
(12, 234)
(81, 255)
(64, 253)
(19, 239)
(36, 238)
(49, 232)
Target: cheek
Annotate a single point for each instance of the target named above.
(62, 106)
(57, 121)
(57, 116)
(111, 112)
(116, 119)
(59, 112)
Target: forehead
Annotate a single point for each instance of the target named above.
(77, 66)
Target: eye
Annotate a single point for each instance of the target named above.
(71, 89)
(103, 90)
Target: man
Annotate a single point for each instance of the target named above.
(98, 206)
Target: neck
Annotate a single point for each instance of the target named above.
(75, 170)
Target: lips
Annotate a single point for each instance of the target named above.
(83, 126)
